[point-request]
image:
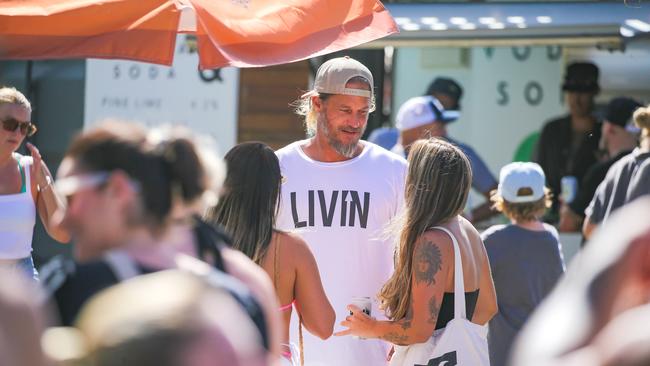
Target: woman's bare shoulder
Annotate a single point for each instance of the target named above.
(468, 227)
(293, 244)
(434, 242)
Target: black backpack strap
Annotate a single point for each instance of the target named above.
(55, 272)
(249, 303)
(234, 287)
(210, 240)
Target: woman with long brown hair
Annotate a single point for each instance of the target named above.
(419, 297)
(247, 211)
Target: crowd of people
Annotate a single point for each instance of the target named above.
(183, 259)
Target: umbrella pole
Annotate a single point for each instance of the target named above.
(29, 91)
(28, 79)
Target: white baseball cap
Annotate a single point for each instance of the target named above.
(419, 111)
(332, 76)
(515, 177)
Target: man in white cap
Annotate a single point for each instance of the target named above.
(338, 193)
(425, 116)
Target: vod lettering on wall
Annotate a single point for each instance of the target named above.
(533, 91)
(205, 101)
(514, 90)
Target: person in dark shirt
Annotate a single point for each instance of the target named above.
(121, 187)
(626, 180)
(619, 136)
(166, 318)
(568, 145)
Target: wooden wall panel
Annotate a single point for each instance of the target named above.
(264, 98)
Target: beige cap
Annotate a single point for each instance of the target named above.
(335, 73)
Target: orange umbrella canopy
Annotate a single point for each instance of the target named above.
(242, 33)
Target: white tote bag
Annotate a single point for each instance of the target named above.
(461, 342)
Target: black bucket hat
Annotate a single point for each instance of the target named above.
(581, 77)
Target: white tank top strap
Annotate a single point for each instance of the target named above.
(18, 217)
(123, 266)
(26, 163)
(459, 281)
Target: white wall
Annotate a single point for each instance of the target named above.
(495, 114)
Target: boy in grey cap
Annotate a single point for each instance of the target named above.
(525, 255)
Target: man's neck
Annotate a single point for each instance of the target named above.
(318, 149)
(434, 129)
(616, 148)
(582, 123)
(645, 143)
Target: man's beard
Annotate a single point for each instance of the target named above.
(347, 150)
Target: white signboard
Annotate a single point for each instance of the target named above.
(204, 101)
(509, 92)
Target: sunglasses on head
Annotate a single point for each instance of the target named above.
(26, 128)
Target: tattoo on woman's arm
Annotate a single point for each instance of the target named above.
(395, 338)
(434, 309)
(428, 262)
(405, 323)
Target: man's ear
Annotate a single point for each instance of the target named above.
(119, 185)
(611, 129)
(317, 103)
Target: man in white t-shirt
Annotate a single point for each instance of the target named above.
(339, 193)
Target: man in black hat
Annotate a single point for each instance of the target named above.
(619, 136)
(568, 145)
(448, 92)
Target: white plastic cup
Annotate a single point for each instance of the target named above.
(569, 188)
(363, 303)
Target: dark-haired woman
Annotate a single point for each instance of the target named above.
(419, 297)
(247, 211)
(25, 187)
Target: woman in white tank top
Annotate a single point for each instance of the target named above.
(25, 187)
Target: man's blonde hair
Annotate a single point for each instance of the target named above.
(304, 106)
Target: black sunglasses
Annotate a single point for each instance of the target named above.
(26, 128)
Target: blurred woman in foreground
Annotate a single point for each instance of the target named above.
(121, 189)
